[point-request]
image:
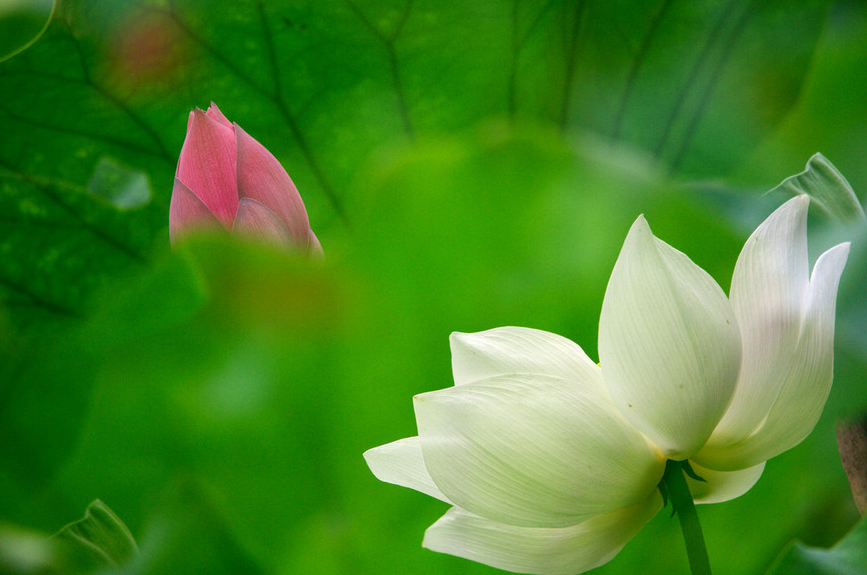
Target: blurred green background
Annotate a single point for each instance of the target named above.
(465, 166)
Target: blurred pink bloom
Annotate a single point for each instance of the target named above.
(226, 178)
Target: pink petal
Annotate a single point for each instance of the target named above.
(207, 165)
(215, 113)
(262, 178)
(255, 220)
(187, 212)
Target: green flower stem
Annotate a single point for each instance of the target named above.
(674, 487)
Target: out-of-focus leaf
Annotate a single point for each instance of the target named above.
(155, 300)
(848, 557)
(827, 187)
(830, 114)
(100, 538)
(186, 535)
(324, 85)
(232, 392)
(46, 392)
(23, 551)
(22, 22)
(122, 187)
(696, 84)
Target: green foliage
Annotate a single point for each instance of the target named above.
(465, 165)
(847, 557)
(25, 551)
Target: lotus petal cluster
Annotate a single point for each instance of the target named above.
(551, 461)
(226, 179)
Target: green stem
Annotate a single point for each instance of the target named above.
(673, 485)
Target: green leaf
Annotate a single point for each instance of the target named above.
(847, 557)
(827, 188)
(695, 85)
(100, 538)
(187, 535)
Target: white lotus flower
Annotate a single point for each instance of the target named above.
(552, 462)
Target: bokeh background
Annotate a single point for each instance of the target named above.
(466, 165)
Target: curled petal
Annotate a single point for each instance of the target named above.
(207, 165)
(544, 551)
(187, 212)
(518, 350)
(668, 344)
(262, 178)
(719, 486)
(534, 450)
(401, 462)
(256, 220)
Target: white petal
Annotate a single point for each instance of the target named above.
(787, 324)
(668, 344)
(721, 486)
(537, 451)
(798, 373)
(545, 551)
(400, 462)
(513, 350)
(767, 294)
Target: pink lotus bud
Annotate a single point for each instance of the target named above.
(227, 179)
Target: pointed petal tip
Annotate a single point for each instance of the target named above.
(421, 398)
(459, 341)
(640, 223)
(401, 463)
(639, 232)
(829, 266)
(799, 203)
(458, 337)
(843, 248)
(215, 114)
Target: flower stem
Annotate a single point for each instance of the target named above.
(675, 488)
